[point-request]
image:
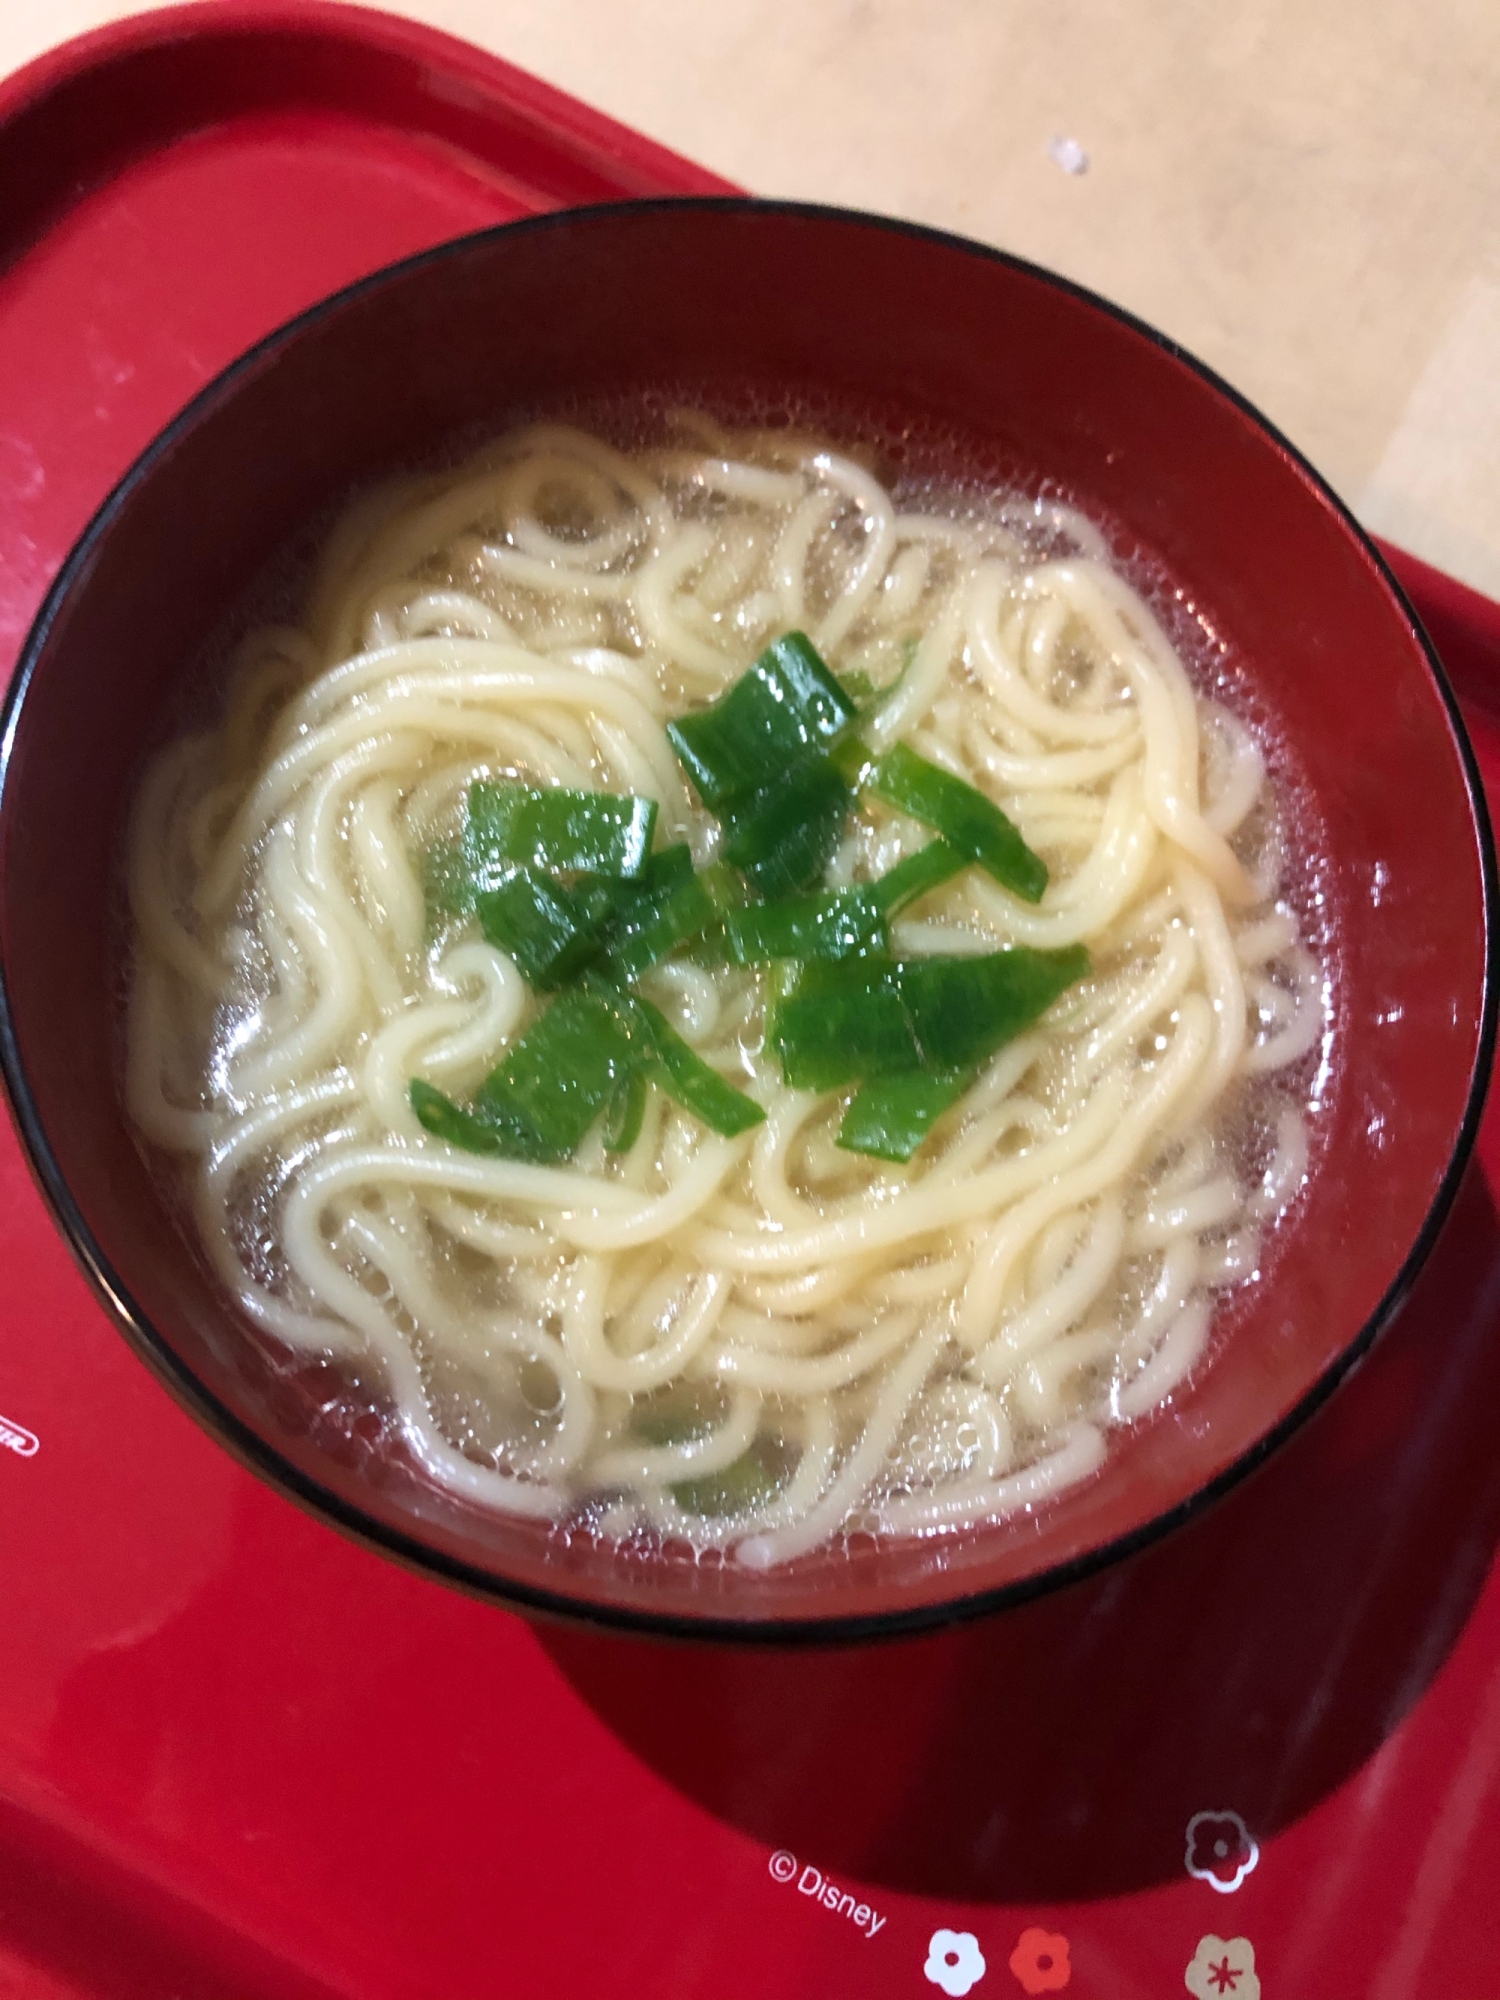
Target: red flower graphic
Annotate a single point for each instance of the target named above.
(1220, 1850)
(1040, 1961)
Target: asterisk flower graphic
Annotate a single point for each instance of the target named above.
(1220, 1850)
(954, 1962)
(1223, 1966)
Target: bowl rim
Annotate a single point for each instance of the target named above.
(267, 1462)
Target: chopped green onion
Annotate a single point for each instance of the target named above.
(668, 869)
(555, 1081)
(890, 1116)
(929, 868)
(626, 1111)
(724, 888)
(656, 925)
(843, 1020)
(447, 1120)
(752, 1482)
(726, 891)
(552, 932)
(964, 817)
(861, 687)
(786, 707)
(593, 1049)
(697, 1086)
(597, 833)
(755, 757)
(862, 1017)
(854, 761)
(677, 1413)
(963, 1009)
(784, 836)
(830, 925)
(782, 978)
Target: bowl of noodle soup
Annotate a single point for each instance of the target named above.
(783, 1334)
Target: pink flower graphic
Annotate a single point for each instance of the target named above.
(1220, 1850)
(1223, 1969)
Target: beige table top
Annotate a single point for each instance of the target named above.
(1305, 193)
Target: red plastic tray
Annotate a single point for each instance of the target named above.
(241, 1757)
(174, 187)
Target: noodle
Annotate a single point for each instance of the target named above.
(759, 1342)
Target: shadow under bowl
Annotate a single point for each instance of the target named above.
(846, 312)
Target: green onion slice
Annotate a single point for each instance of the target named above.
(447, 1120)
(626, 1111)
(929, 868)
(854, 761)
(677, 1413)
(844, 1020)
(589, 1052)
(555, 932)
(695, 1084)
(656, 924)
(841, 924)
(890, 1116)
(597, 833)
(551, 931)
(783, 836)
(964, 817)
(856, 1018)
(556, 1080)
(861, 686)
(786, 707)
(750, 1483)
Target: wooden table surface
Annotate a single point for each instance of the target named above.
(1305, 193)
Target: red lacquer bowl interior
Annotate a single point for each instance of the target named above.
(1013, 366)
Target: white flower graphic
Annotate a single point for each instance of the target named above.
(954, 1961)
(1223, 1969)
(1220, 1850)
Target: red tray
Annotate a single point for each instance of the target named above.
(241, 1757)
(174, 187)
